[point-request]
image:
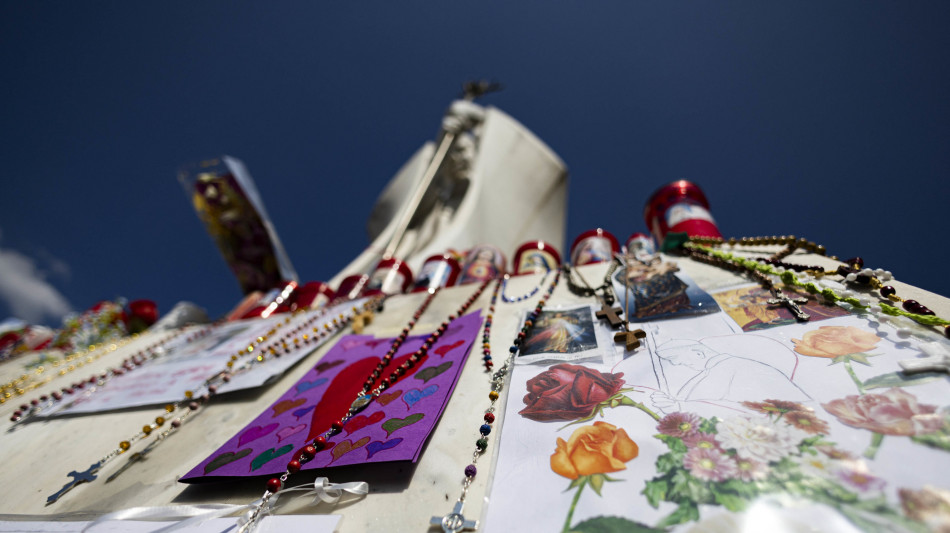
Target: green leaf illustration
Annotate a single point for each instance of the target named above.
(655, 491)
(597, 483)
(940, 441)
(612, 524)
(686, 512)
(730, 501)
(899, 379)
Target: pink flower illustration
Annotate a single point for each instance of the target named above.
(702, 440)
(894, 412)
(751, 470)
(678, 424)
(709, 465)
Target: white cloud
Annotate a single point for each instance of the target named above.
(24, 289)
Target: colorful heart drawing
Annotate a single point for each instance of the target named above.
(283, 406)
(428, 373)
(384, 399)
(377, 446)
(346, 446)
(412, 396)
(225, 458)
(300, 412)
(323, 367)
(307, 385)
(394, 424)
(290, 430)
(359, 422)
(442, 350)
(256, 432)
(268, 455)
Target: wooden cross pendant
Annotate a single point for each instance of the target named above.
(610, 314)
(454, 521)
(78, 477)
(631, 339)
(791, 304)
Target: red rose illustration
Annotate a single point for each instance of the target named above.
(568, 392)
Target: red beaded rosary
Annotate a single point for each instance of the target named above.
(374, 385)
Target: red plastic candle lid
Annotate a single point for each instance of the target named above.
(438, 271)
(536, 257)
(391, 276)
(679, 207)
(312, 295)
(594, 246)
(352, 287)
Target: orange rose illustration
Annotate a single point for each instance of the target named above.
(835, 341)
(597, 449)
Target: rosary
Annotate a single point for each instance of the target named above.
(853, 273)
(376, 383)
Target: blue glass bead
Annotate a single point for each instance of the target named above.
(485, 429)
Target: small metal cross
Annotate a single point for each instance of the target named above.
(78, 477)
(454, 521)
(631, 339)
(610, 314)
(791, 303)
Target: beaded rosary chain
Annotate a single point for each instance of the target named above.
(75, 361)
(368, 392)
(588, 291)
(192, 402)
(153, 351)
(853, 273)
(455, 521)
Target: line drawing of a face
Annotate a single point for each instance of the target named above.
(692, 355)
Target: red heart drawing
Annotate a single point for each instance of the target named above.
(287, 405)
(346, 385)
(361, 421)
(442, 350)
(384, 399)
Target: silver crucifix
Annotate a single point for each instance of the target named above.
(791, 303)
(454, 521)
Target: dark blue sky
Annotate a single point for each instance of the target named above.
(826, 120)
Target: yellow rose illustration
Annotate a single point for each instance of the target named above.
(835, 341)
(597, 449)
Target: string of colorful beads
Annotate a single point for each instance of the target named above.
(137, 360)
(910, 310)
(25, 383)
(530, 294)
(486, 330)
(368, 392)
(498, 383)
(191, 403)
(790, 242)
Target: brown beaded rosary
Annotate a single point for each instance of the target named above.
(852, 272)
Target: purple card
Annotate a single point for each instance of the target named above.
(392, 428)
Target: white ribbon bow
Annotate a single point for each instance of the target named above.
(194, 515)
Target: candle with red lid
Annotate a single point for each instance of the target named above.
(440, 270)
(536, 257)
(391, 276)
(680, 207)
(481, 263)
(594, 246)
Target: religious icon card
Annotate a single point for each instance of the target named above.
(567, 334)
(657, 289)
